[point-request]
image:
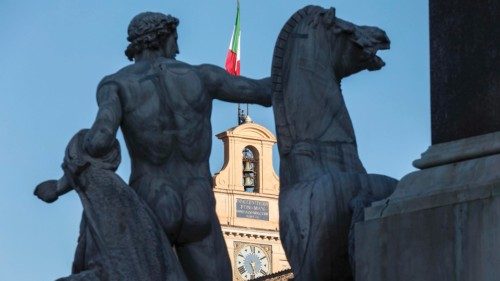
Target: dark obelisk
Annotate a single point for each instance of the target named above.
(465, 68)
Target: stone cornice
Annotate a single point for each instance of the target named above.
(256, 195)
(264, 235)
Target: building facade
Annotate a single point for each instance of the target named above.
(246, 190)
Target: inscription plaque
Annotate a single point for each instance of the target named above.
(252, 209)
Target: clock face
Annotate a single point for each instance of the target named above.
(252, 262)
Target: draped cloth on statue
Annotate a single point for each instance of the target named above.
(120, 238)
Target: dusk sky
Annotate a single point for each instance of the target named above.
(55, 52)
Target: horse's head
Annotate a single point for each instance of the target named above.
(313, 52)
(354, 47)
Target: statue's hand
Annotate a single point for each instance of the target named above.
(47, 191)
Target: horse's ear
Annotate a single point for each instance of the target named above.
(329, 17)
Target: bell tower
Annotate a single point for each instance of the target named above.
(246, 190)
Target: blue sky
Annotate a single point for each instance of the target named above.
(53, 54)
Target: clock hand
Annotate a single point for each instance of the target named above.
(252, 263)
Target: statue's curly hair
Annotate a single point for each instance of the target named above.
(149, 30)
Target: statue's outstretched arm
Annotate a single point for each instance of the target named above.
(226, 87)
(100, 138)
(98, 141)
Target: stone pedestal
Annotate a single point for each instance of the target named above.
(442, 222)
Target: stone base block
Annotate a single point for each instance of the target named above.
(442, 223)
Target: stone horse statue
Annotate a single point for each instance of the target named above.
(324, 186)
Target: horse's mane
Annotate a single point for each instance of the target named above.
(282, 41)
(311, 16)
(314, 13)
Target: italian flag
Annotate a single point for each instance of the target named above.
(233, 54)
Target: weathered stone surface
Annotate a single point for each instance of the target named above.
(441, 223)
(460, 150)
(322, 180)
(452, 183)
(465, 68)
(120, 237)
(459, 242)
(163, 107)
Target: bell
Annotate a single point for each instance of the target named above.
(248, 167)
(248, 181)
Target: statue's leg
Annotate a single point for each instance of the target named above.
(373, 188)
(208, 259)
(326, 256)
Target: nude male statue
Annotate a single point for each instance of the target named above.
(163, 107)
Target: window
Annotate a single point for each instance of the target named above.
(250, 169)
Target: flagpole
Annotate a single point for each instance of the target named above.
(248, 110)
(246, 113)
(233, 57)
(240, 113)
